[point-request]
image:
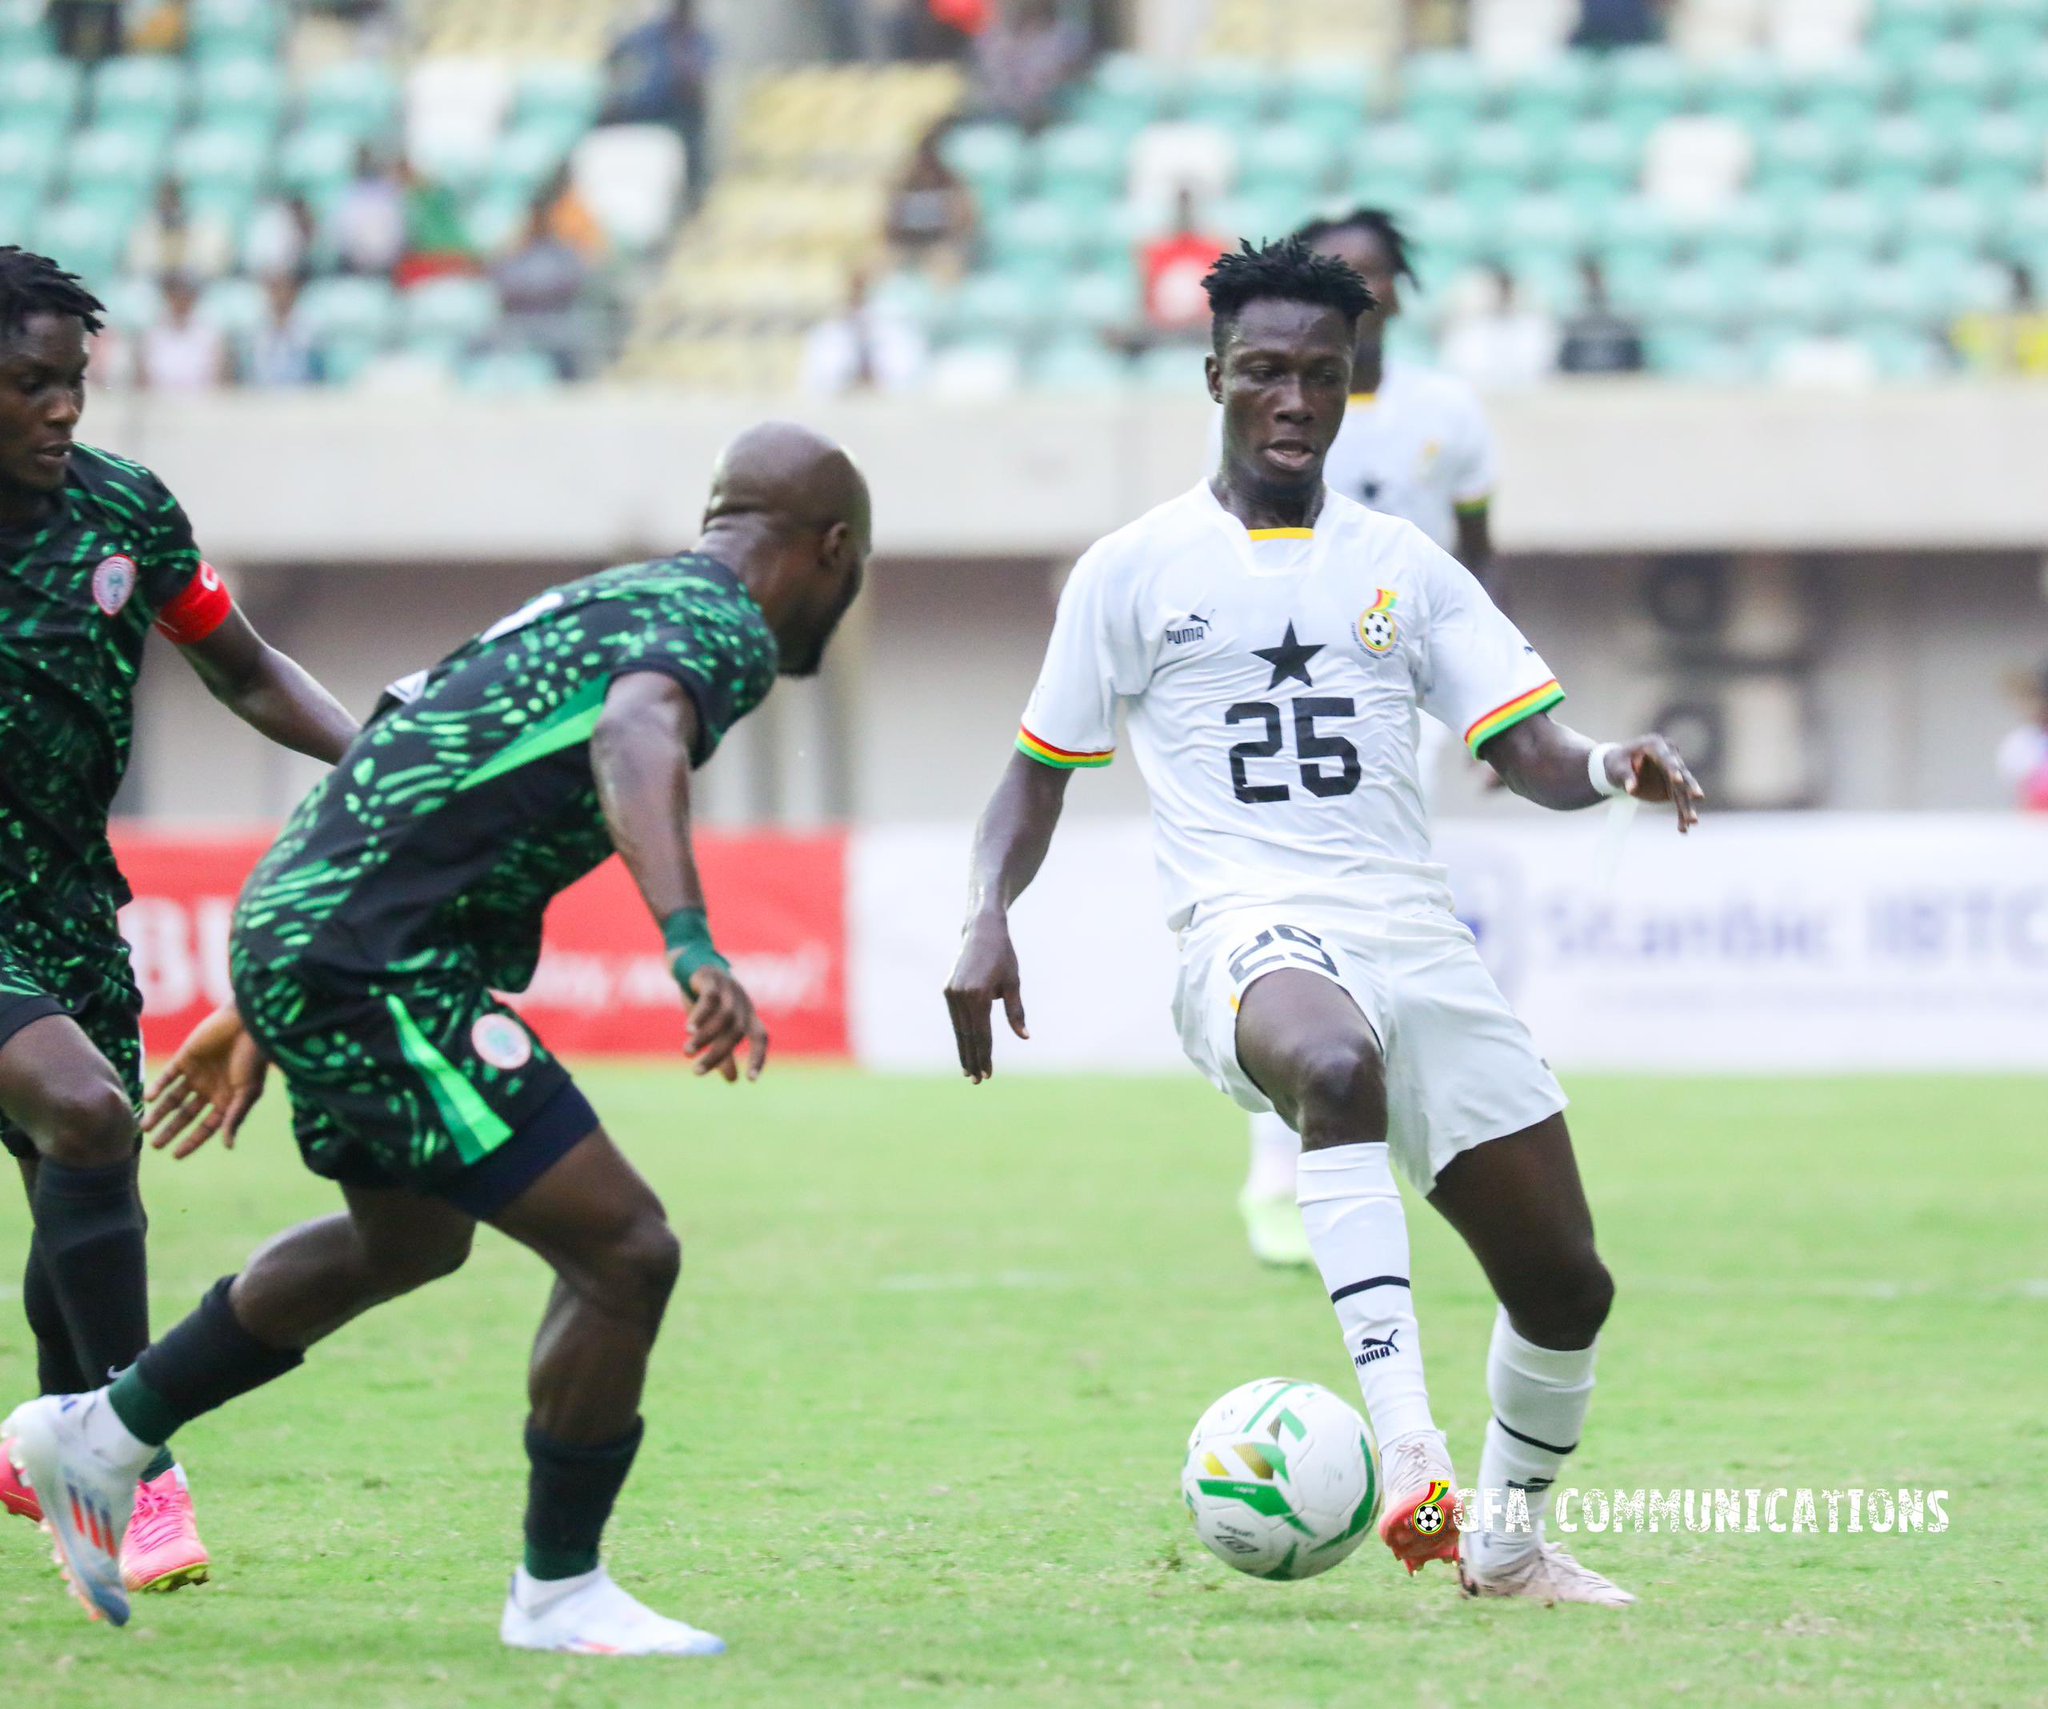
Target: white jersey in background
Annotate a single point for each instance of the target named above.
(1418, 448)
(1271, 679)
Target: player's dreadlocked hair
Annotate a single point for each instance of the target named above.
(1287, 271)
(1375, 220)
(34, 284)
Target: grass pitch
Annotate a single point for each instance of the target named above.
(915, 1428)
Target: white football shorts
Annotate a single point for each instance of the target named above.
(1461, 1068)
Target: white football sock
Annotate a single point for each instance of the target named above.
(1275, 1146)
(1356, 1227)
(535, 1594)
(1540, 1396)
(109, 1438)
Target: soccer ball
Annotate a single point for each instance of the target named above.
(1280, 1479)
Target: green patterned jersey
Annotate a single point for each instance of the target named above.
(467, 803)
(79, 588)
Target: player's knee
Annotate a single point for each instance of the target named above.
(640, 1268)
(1575, 1300)
(419, 1262)
(1341, 1093)
(89, 1126)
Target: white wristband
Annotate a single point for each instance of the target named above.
(1596, 770)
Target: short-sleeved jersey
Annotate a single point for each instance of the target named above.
(1418, 448)
(1270, 680)
(79, 589)
(467, 803)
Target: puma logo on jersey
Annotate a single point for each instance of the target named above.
(1193, 627)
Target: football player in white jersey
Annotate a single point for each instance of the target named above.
(1415, 443)
(1269, 643)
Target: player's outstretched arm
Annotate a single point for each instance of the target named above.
(207, 1088)
(1009, 847)
(269, 690)
(640, 755)
(1554, 766)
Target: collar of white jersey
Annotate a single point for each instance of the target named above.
(1268, 551)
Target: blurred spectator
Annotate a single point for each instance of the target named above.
(279, 353)
(158, 27)
(2023, 754)
(283, 235)
(167, 240)
(2013, 340)
(1597, 340)
(437, 240)
(543, 284)
(658, 74)
(1024, 60)
(936, 29)
(1828, 357)
(86, 29)
(181, 352)
(1172, 268)
(1618, 23)
(1497, 342)
(369, 217)
(867, 348)
(931, 212)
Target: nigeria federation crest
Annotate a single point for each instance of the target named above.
(1377, 630)
(113, 582)
(501, 1041)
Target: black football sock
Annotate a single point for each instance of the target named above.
(569, 1495)
(57, 1368)
(202, 1363)
(89, 1229)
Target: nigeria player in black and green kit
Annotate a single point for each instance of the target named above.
(94, 552)
(365, 952)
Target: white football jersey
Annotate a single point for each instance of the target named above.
(1418, 448)
(1270, 679)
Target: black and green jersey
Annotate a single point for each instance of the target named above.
(79, 589)
(460, 812)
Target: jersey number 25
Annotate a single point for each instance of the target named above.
(1311, 748)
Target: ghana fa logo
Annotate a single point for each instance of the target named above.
(113, 582)
(1377, 631)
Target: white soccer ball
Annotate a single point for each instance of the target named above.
(1281, 1479)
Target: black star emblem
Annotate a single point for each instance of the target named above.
(1289, 660)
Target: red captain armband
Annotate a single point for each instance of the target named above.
(197, 612)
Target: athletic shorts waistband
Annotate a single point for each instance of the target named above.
(541, 1141)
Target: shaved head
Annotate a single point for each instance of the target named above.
(789, 512)
(790, 475)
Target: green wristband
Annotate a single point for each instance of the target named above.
(687, 932)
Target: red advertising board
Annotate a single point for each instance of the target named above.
(778, 905)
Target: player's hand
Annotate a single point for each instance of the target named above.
(986, 971)
(208, 1087)
(1656, 773)
(722, 1021)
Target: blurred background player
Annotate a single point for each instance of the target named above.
(96, 552)
(366, 950)
(1270, 642)
(1414, 444)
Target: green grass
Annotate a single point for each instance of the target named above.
(915, 1427)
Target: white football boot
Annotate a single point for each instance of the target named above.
(1544, 1573)
(1420, 1519)
(592, 1616)
(86, 1497)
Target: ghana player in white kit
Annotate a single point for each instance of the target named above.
(1416, 444)
(1269, 642)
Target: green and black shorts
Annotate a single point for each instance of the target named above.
(94, 987)
(422, 1080)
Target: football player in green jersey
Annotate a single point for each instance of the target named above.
(94, 552)
(406, 890)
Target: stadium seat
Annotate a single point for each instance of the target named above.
(221, 27)
(1849, 92)
(1948, 285)
(353, 315)
(990, 158)
(1447, 234)
(1232, 94)
(1803, 154)
(1549, 96)
(562, 93)
(358, 96)
(966, 373)
(24, 33)
(1748, 88)
(1900, 153)
(454, 110)
(1791, 299)
(85, 235)
(139, 92)
(238, 90)
(2003, 156)
(1174, 370)
(526, 157)
(237, 306)
(214, 155)
(1814, 33)
(1078, 365)
(1284, 159)
(992, 307)
(39, 94)
(1706, 358)
(2008, 30)
(29, 157)
(1038, 233)
(1330, 97)
(1543, 228)
(1495, 160)
(19, 204)
(315, 163)
(459, 311)
(1389, 162)
(1103, 297)
(1125, 94)
(630, 176)
(1078, 162)
(1264, 217)
(1849, 222)
(1645, 86)
(1599, 157)
(120, 162)
(1443, 88)
(509, 373)
(1696, 165)
(133, 305)
(1952, 219)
